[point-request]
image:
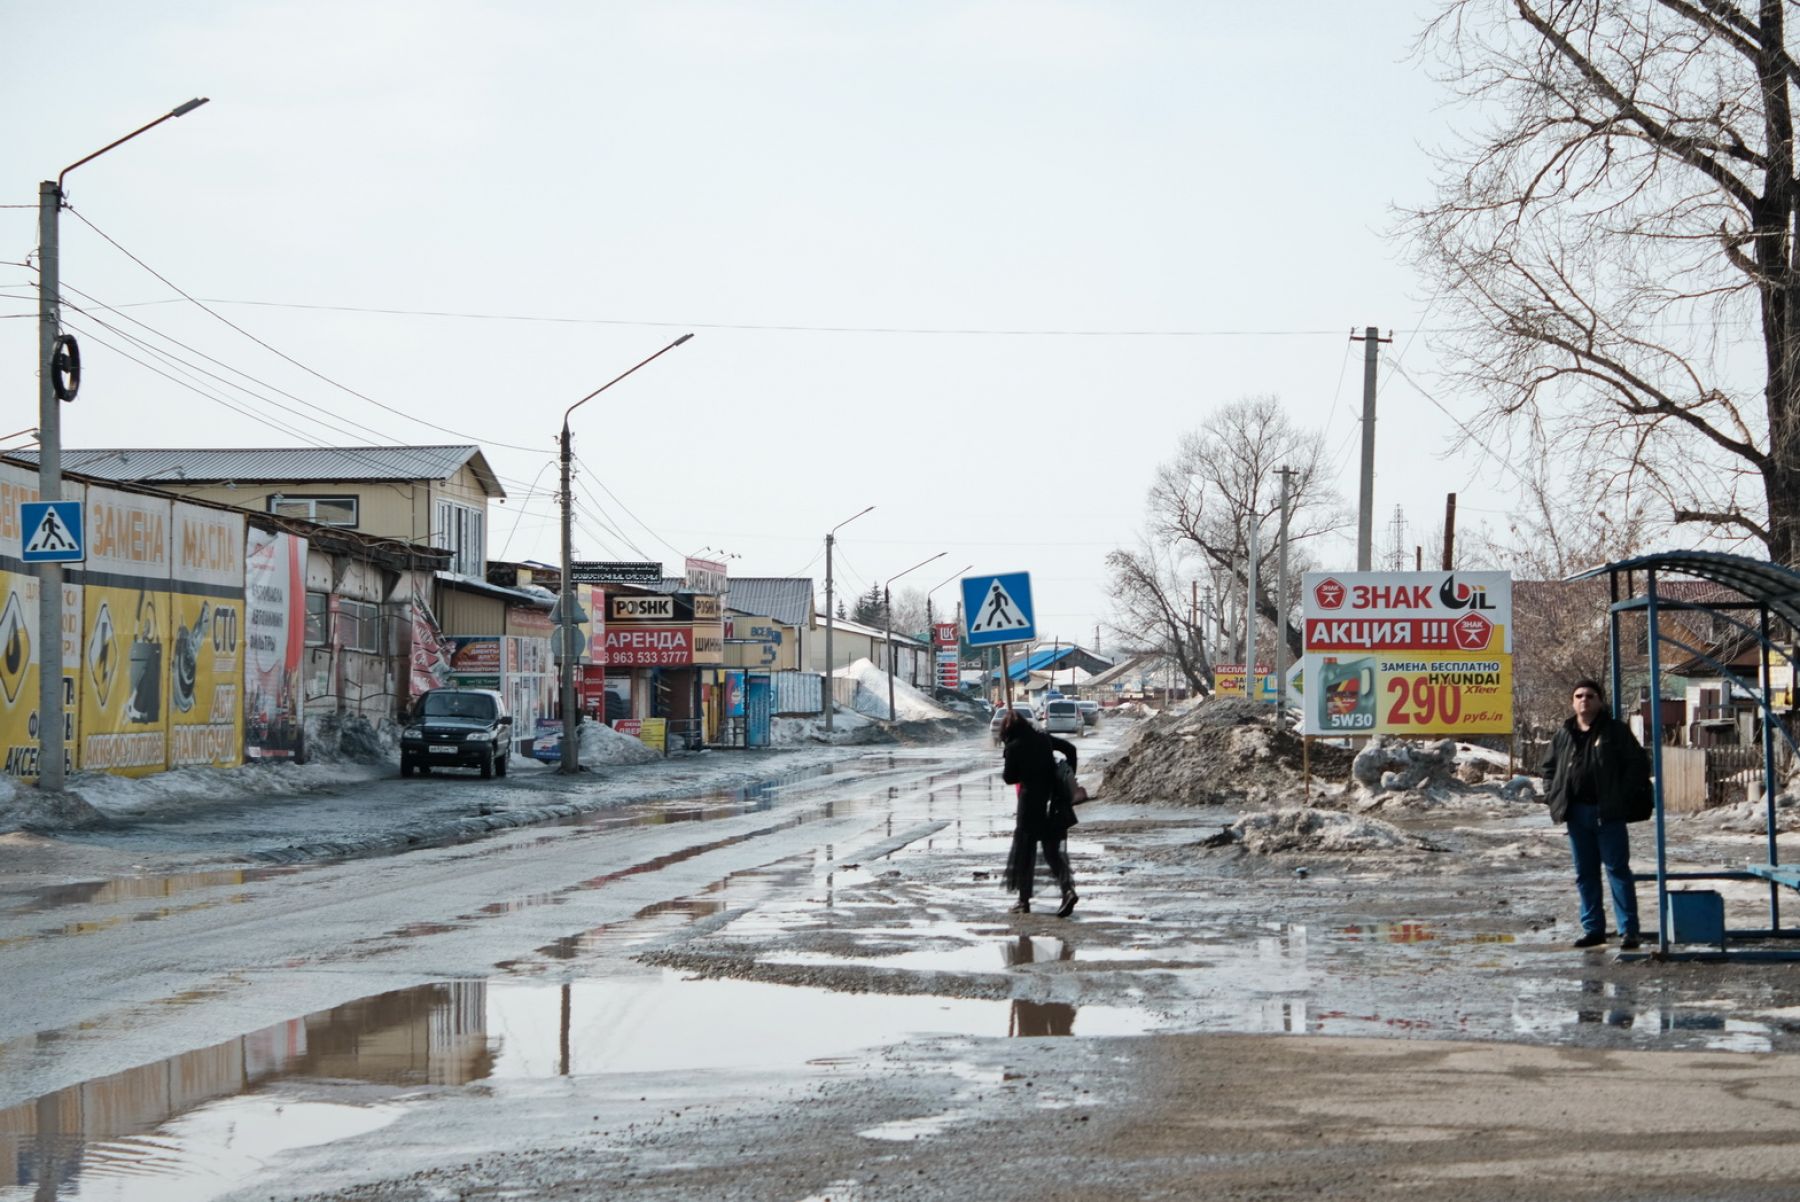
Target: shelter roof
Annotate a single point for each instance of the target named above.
(1762, 581)
(177, 466)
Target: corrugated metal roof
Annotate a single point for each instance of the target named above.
(275, 465)
(787, 599)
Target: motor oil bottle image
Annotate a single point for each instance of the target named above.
(1347, 694)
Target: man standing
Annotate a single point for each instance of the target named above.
(1599, 780)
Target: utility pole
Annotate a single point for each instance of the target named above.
(54, 363)
(1449, 531)
(565, 599)
(50, 575)
(831, 618)
(1281, 595)
(1250, 677)
(1365, 510)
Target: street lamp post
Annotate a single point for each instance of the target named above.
(887, 613)
(830, 617)
(931, 624)
(565, 601)
(51, 394)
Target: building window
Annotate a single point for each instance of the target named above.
(359, 626)
(461, 530)
(318, 619)
(327, 511)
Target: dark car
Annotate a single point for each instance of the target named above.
(457, 728)
(1090, 711)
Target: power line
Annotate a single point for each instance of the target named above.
(202, 306)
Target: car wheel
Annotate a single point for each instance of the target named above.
(487, 766)
(500, 768)
(406, 766)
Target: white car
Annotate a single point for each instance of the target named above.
(1063, 717)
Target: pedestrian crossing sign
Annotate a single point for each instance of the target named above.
(50, 532)
(997, 609)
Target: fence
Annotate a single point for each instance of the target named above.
(799, 694)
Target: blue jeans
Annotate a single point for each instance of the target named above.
(1593, 843)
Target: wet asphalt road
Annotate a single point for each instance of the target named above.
(145, 1010)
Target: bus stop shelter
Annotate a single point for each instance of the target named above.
(1766, 609)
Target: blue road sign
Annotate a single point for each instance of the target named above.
(51, 532)
(997, 609)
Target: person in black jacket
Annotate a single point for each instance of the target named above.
(1031, 764)
(1599, 775)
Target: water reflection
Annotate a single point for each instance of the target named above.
(1032, 1019)
(167, 1126)
(431, 1035)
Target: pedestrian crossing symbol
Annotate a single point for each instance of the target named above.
(999, 609)
(51, 532)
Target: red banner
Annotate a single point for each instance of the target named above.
(649, 646)
(944, 634)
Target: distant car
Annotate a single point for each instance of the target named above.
(1090, 712)
(1063, 717)
(457, 728)
(1021, 709)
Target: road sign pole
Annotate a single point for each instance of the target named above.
(1006, 676)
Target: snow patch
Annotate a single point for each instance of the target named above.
(910, 705)
(847, 726)
(604, 745)
(1303, 829)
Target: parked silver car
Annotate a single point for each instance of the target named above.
(1090, 711)
(1019, 708)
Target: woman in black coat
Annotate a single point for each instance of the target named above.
(1031, 764)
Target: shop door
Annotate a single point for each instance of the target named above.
(759, 708)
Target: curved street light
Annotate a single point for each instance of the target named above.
(565, 601)
(58, 376)
(887, 613)
(830, 617)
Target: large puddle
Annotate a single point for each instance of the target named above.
(199, 1124)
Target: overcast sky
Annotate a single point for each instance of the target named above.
(977, 264)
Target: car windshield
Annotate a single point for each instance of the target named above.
(1062, 707)
(457, 705)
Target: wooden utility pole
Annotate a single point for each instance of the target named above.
(1449, 531)
(1365, 512)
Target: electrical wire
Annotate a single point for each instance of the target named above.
(673, 549)
(203, 307)
(523, 502)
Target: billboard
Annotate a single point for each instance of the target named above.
(206, 667)
(1408, 653)
(127, 628)
(274, 644)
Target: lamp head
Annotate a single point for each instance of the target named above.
(182, 110)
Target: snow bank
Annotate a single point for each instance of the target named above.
(1323, 832)
(127, 795)
(847, 726)
(604, 745)
(910, 705)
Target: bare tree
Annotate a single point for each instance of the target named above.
(1153, 612)
(1223, 478)
(1620, 222)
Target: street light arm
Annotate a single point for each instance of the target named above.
(590, 396)
(914, 568)
(957, 575)
(180, 110)
(846, 522)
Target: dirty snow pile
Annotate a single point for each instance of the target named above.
(1748, 817)
(24, 806)
(1216, 753)
(847, 726)
(910, 705)
(1318, 832)
(604, 745)
(1390, 773)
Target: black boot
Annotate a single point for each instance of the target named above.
(1022, 906)
(1068, 903)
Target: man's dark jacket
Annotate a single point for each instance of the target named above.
(1617, 766)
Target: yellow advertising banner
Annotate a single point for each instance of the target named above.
(206, 667)
(20, 653)
(126, 626)
(19, 665)
(1411, 695)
